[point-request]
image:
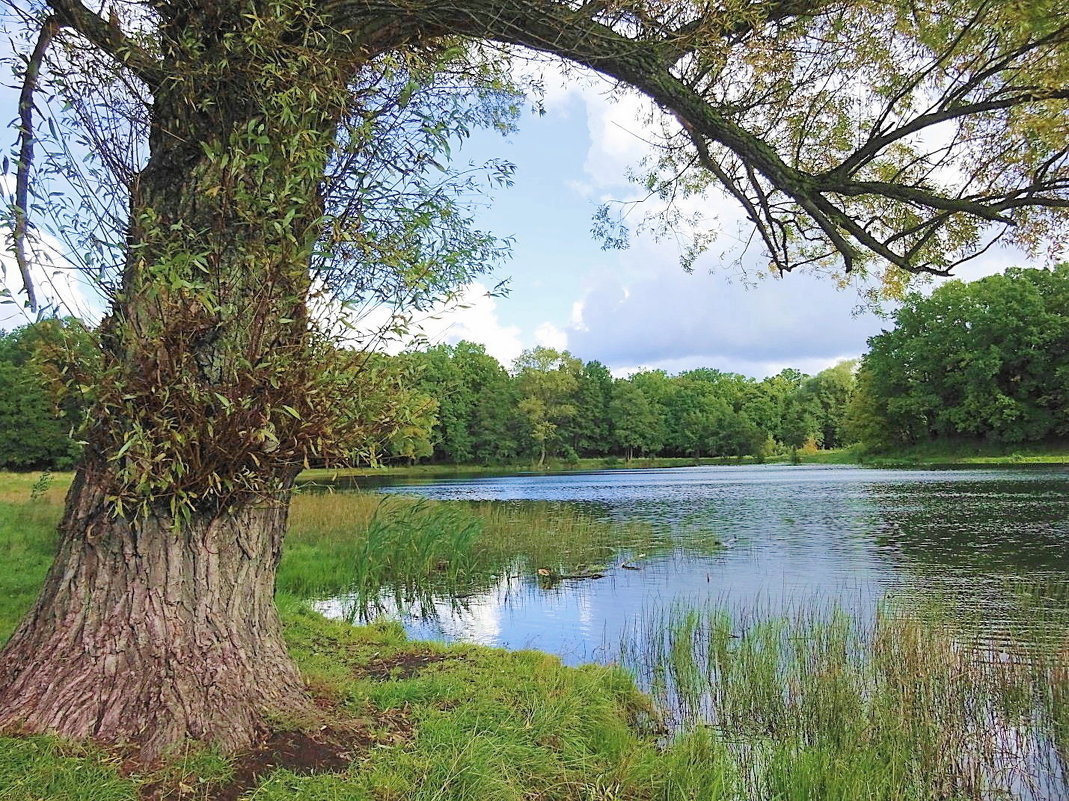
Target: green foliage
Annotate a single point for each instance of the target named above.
(554, 406)
(38, 412)
(547, 382)
(637, 424)
(475, 420)
(987, 359)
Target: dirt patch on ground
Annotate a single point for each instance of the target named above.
(400, 666)
(329, 750)
(300, 752)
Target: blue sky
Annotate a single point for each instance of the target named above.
(637, 308)
(634, 308)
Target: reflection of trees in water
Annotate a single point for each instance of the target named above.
(993, 557)
(998, 526)
(990, 561)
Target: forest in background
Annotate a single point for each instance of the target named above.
(986, 360)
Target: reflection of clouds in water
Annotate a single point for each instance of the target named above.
(479, 621)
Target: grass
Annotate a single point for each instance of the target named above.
(815, 706)
(970, 452)
(820, 705)
(403, 552)
(551, 466)
(28, 519)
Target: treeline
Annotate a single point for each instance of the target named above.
(987, 361)
(553, 405)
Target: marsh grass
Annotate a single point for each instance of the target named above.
(820, 705)
(404, 554)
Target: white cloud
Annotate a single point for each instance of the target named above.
(619, 135)
(672, 320)
(550, 336)
(473, 317)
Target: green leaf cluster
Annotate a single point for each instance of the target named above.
(38, 413)
(986, 360)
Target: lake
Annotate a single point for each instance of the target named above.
(772, 538)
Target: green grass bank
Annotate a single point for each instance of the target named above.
(945, 453)
(818, 706)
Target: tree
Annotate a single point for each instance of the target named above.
(823, 398)
(439, 376)
(637, 424)
(985, 359)
(36, 415)
(696, 414)
(293, 151)
(590, 430)
(491, 427)
(547, 381)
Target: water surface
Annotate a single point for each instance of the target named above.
(772, 538)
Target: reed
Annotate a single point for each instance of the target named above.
(403, 554)
(819, 704)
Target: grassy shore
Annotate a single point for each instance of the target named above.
(946, 453)
(550, 466)
(816, 707)
(964, 453)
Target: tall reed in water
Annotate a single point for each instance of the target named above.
(407, 552)
(821, 705)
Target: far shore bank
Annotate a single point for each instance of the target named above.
(931, 454)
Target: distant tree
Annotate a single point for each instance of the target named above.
(777, 390)
(437, 373)
(696, 414)
(822, 400)
(637, 424)
(591, 430)
(987, 359)
(546, 382)
(39, 412)
(492, 425)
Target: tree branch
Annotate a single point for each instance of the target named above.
(22, 177)
(109, 38)
(644, 60)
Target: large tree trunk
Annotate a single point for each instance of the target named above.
(157, 622)
(149, 634)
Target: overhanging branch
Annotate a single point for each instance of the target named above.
(21, 231)
(109, 38)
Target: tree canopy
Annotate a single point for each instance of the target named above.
(236, 171)
(986, 360)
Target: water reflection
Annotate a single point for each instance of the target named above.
(775, 537)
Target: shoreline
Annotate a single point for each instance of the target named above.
(920, 456)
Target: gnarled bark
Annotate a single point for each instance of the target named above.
(150, 634)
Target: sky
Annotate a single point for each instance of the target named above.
(629, 309)
(637, 308)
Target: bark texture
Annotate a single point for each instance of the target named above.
(157, 622)
(149, 635)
